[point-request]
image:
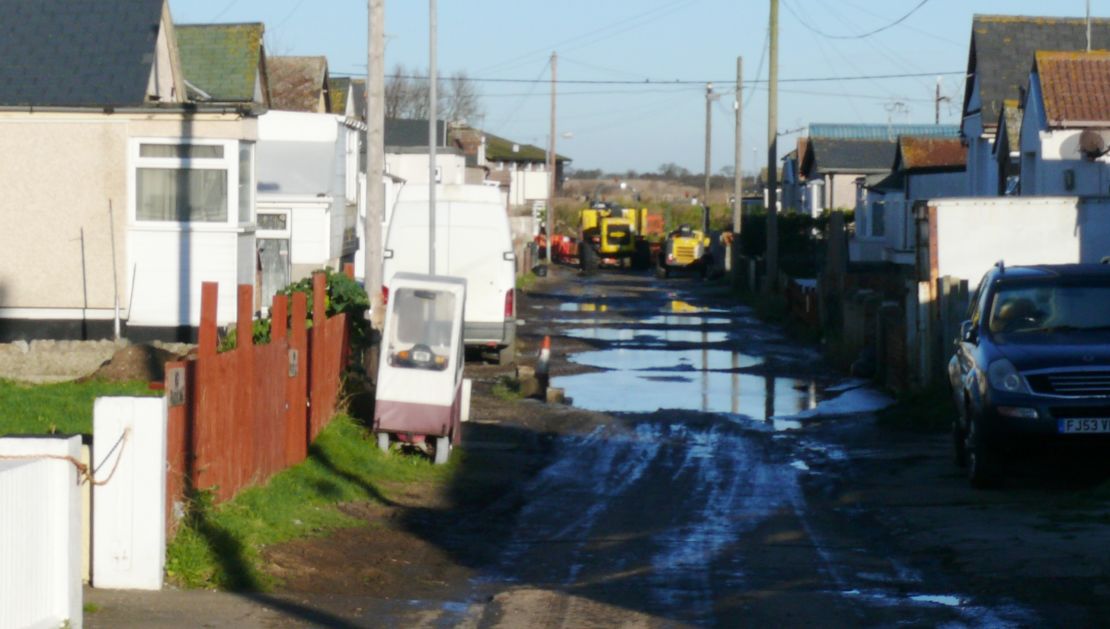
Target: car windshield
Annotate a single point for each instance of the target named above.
(1044, 308)
(421, 329)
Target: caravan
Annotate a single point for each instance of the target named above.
(473, 241)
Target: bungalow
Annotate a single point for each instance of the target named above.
(924, 168)
(1002, 47)
(309, 176)
(813, 195)
(832, 166)
(135, 185)
(1066, 127)
(522, 168)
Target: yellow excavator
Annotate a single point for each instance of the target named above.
(686, 249)
(610, 234)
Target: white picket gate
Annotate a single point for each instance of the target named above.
(40, 532)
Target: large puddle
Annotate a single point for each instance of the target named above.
(643, 374)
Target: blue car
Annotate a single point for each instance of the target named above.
(1032, 364)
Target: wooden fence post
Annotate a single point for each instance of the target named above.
(208, 466)
(296, 436)
(246, 422)
(317, 354)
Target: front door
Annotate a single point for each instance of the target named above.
(273, 252)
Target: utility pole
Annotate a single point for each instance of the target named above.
(938, 99)
(737, 175)
(771, 285)
(552, 163)
(737, 178)
(1088, 25)
(433, 134)
(708, 138)
(375, 159)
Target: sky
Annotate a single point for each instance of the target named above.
(624, 115)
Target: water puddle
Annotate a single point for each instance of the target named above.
(687, 360)
(636, 391)
(583, 307)
(625, 335)
(687, 320)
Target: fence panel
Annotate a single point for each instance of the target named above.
(247, 413)
(40, 533)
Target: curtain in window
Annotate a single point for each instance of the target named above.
(181, 195)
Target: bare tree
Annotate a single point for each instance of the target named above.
(406, 96)
(462, 99)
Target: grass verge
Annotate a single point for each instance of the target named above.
(507, 388)
(931, 410)
(526, 281)
(64, 407)
(219, 546)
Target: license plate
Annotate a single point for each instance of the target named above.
(1085, 425)
(421, 357)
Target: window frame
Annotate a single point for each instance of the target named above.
(229, 164)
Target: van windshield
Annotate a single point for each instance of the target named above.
(1040, 308)
(421, 325)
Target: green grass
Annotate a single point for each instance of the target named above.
(526, 281)
(90, 608)
(220, 546)
(507, 388)
(65, 407)
(931, 410)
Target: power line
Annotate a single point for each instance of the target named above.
(818, 31)
(759, 68)
(815, 79)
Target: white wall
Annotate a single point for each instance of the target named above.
(40, 534)
(413, 167)
(527, 186)
(162, 257)
(1046, 230)
(129, 518)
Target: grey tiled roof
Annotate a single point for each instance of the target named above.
(400, 132)
(826, 155)
(76, 53)
(1002, 48)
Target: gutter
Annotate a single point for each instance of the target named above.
(241, 110)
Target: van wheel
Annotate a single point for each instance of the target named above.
(506, 355)
(383, 441)
(443, 450)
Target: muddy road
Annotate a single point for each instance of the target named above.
(708, 472)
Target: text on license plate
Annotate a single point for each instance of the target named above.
(421, 357)
(1084, 425)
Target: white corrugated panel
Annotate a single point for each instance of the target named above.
(129, 511)
(40, 534)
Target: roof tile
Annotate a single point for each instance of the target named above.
(1075, 87)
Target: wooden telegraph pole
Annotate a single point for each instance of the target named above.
(771, 281)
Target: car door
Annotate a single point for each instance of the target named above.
(962, 367)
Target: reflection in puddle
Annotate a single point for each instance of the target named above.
(665, 360)
(634, 391)
(582, 307)
(687, 320)
(647, 336)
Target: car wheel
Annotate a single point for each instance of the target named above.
(982, 458)
(959, 443)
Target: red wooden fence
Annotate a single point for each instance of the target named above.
(250, 412)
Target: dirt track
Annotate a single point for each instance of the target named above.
(759, 495)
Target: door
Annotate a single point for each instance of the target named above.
(274, 258)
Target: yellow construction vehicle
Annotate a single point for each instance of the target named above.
(609, 234)
(686, 248)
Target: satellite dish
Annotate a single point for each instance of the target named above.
(1091, 144)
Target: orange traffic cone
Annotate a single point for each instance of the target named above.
(545, 357)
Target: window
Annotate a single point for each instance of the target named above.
(190, 182)
(422, 326)
(878, 219)
(246, 177)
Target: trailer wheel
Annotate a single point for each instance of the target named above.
(443, 450)
(383, 441)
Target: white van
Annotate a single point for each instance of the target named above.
(473, 241)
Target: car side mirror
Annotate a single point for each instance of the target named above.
(968, 333)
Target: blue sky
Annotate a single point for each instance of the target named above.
(639, 127)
